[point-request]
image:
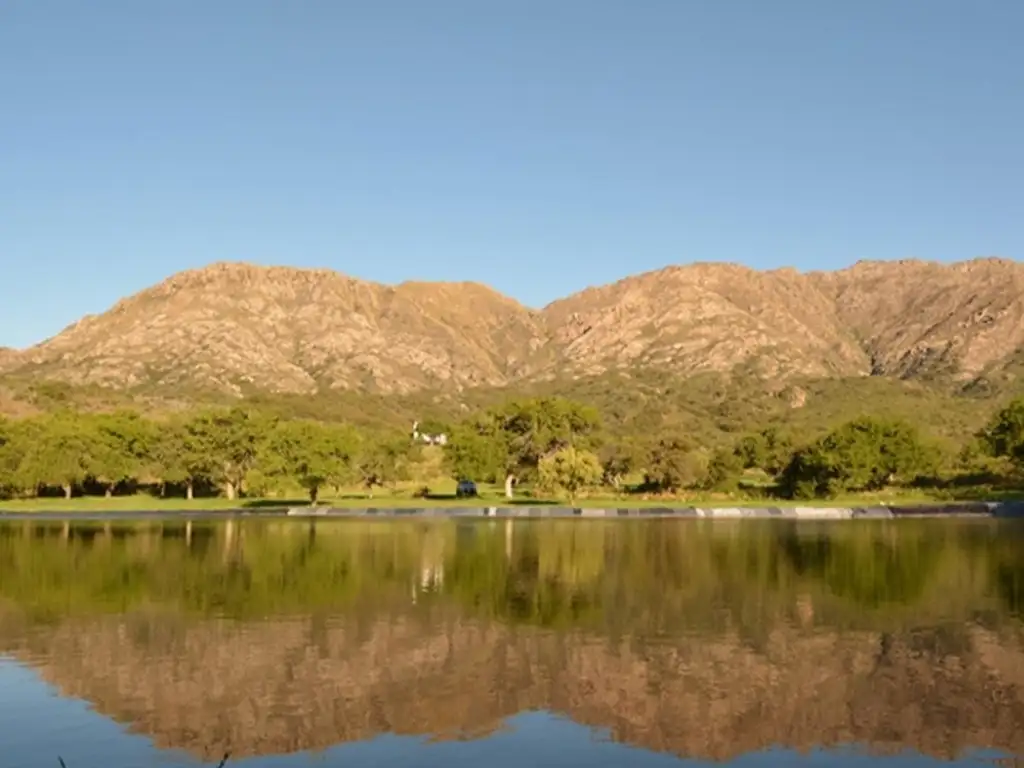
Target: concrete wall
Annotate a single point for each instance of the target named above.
(960, 509)
(988, 509)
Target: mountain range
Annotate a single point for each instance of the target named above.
(238, 328)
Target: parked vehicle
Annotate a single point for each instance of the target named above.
(466, 489)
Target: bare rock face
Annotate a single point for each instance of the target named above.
(8, 358)
(915, 317)
(290, 330)
(707, 317)
(238, 327)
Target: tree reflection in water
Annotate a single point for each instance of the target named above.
(707, 639)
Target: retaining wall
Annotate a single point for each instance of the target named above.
(991, 509)
(1013, 509)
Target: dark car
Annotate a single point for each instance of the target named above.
(466, 489)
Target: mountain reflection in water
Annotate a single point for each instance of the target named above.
(706, 640)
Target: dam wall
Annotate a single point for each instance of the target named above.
(1010, 509)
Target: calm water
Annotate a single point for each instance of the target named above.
(568, 643)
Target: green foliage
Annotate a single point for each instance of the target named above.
(9, 459)
(179, 453)
(509, 441)
(769, 450)
(675, 443)
(570, 470)
(229, 440)
(1003, 436)
(674, 464)
(865, 454)
(476, 450)
(724, 470)
(312, 453)
(384, 460)
(58, 450)
(620, 459)
(123, 441)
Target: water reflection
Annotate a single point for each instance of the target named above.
(701, 640)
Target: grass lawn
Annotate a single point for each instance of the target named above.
(489, 497)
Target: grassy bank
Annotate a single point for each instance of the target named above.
(400, 499)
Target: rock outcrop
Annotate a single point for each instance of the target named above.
(237, 328)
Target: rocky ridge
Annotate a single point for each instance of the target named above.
(238, 328)
(8, 357)
(917, 317)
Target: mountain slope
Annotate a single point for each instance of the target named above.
(707, 317)
(238, 328)
(232, 326)
(917, 318)
(8, 357)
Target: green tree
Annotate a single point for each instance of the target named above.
(769, 450)
(619, 459)
(228, 441)
(521, 433)
(309, 452)
(1003, 436)
(475, 451)
(59, 451)
(866, 454)
(570, 470)
(383, 460)
(674, 463)
(9, 458)
(121, 452)
(724, 470)
(180, 454)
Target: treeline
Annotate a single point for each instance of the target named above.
(559, 446)
(227, 451)
(550, 445)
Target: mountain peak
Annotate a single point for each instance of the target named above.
(236, 326)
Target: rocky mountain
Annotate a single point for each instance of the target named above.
(8, 357)
(914, 318)
(230, 326)
(706, 317)
(238, 327)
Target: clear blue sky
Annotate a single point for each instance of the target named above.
(539, 146)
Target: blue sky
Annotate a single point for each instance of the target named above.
(539, 146)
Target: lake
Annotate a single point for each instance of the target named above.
(526, 643)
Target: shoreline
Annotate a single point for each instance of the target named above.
(1000, 510)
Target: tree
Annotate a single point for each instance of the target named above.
(865, 454)
(59, 451)
(1003, 436)
(9, 458)
(769, 450)
(724, 469)
(228, 442)
(312, 453)
(180, 454)
(619, 459)
(570, 470)
(383, 460)
(121, 452)
(475, 451)
(521, 433)
(674, 463)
